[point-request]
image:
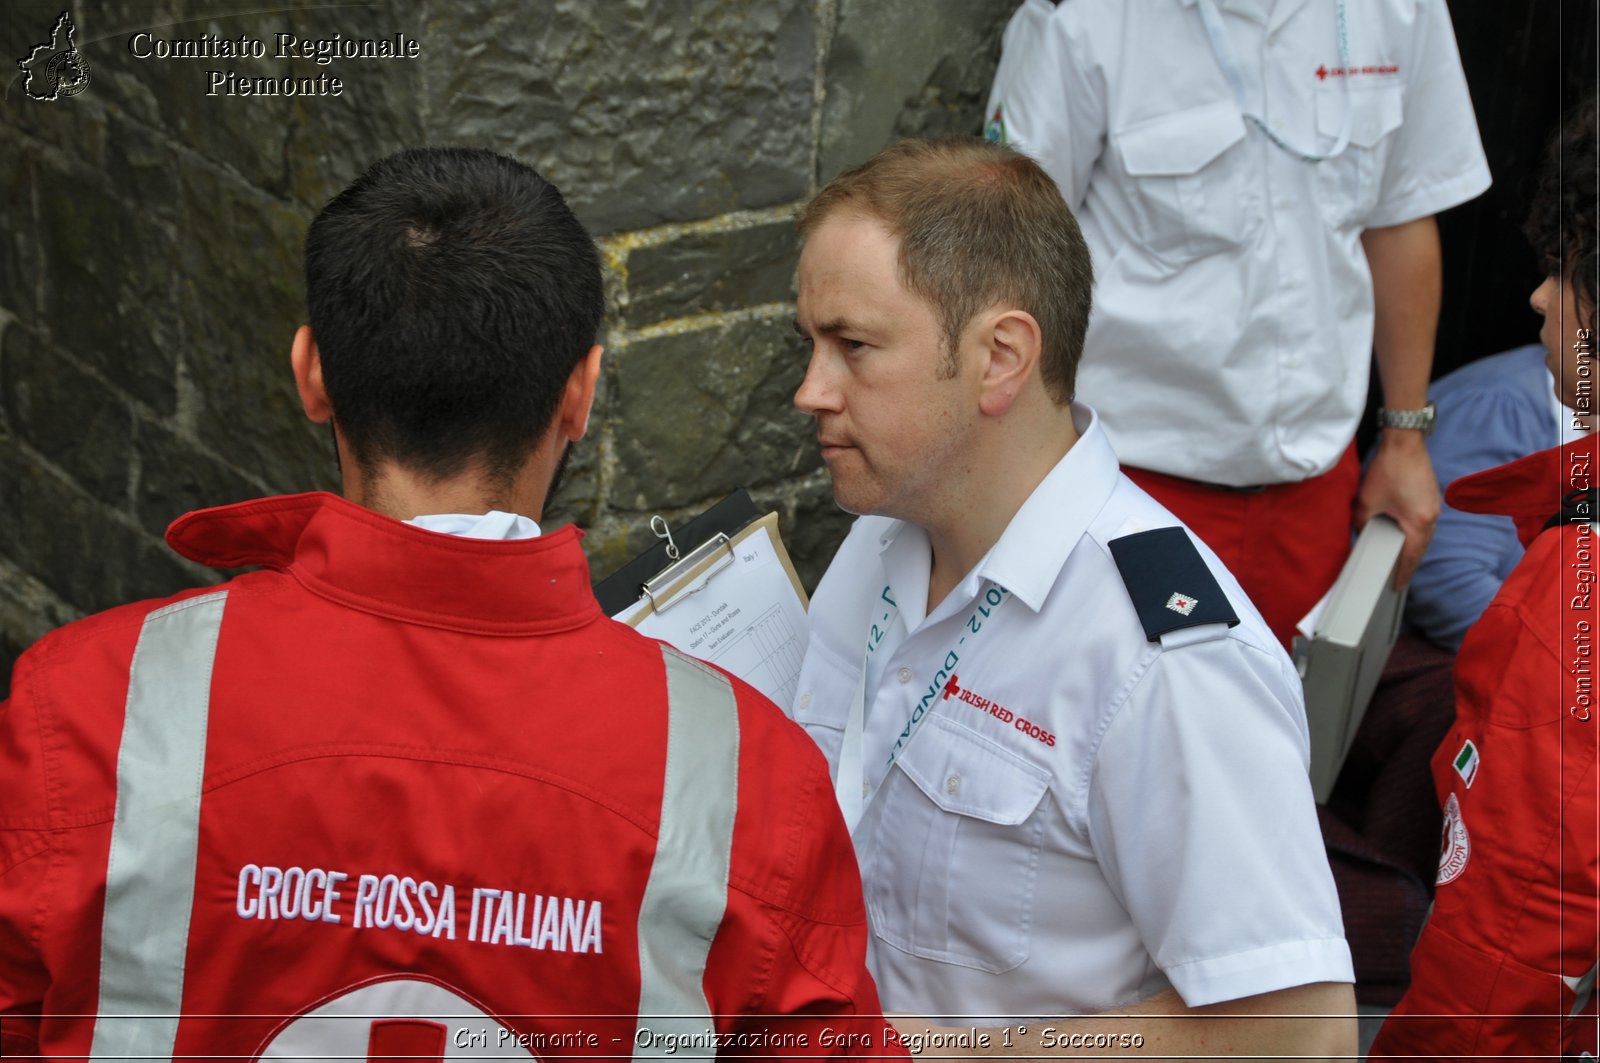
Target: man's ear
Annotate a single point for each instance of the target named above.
(1014, 344)
(578, 399)
(306, 361)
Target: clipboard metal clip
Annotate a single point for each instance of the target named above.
(680, 579)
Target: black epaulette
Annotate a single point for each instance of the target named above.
(1169, 582)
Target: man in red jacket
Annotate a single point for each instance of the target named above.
(1506, 965)
(404, 790)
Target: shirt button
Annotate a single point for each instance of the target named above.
(904, 675)
(805, 700)
(952, 785)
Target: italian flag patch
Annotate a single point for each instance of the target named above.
(1466, 762)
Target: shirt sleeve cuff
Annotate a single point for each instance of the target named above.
(1431, 200)
(1248, 974)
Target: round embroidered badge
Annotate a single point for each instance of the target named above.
(1454, 844)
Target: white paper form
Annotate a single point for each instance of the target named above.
(746, 619)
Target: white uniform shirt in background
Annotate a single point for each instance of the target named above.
(1089, 816)
(1231, 334)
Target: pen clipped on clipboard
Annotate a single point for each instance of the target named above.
(720, 587)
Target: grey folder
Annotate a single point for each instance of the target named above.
(1340, 664)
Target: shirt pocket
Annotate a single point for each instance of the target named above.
(1194, 190)
(1348, 184)
(954, 857)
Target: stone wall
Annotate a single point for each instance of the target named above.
(149, 261)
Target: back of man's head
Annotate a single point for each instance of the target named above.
(978, 224)
(451, 293)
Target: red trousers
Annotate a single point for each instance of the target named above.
(1284, 543)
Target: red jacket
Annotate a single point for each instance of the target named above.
(1508, 957)
(420, 781)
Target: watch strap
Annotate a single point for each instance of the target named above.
(1419, 420)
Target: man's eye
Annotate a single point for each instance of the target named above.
(852, 345)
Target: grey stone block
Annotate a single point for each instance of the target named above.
(85, 556)
(640, 115)
(20, 262)
(705, 271)
(109, 294)
(244, 301)
(66, 415)
(175, 476)
(704, 411)
(332, 140)
(906, 69)
(72, 126)
(28, 611)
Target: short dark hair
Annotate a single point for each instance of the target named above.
(451, 294)
(978, 223)
(1564, 221)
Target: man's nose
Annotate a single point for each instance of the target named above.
(814, 394)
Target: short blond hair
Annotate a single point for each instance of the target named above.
(978, 224)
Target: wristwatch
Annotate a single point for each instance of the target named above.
(1420, 420)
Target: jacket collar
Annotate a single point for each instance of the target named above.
(362, 559)
(1529, 490)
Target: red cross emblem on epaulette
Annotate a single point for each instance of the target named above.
(1181, 603)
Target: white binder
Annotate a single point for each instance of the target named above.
(1340, 664)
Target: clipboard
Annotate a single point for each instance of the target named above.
(728, 594)
(664, 574)
(693, 571)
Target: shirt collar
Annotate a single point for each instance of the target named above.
(1257, 9)
(374, 563)
(1272, 13)
(1029, 555)
(495, 524)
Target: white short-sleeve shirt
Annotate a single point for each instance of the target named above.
(1075, 816)
(1233, 314)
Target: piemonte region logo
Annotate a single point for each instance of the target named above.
(55, 69)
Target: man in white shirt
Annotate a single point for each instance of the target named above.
(1072, 754)
(1257, 181)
